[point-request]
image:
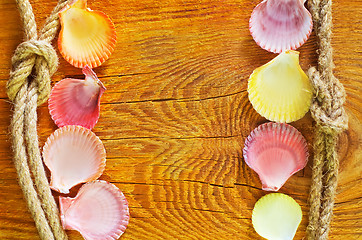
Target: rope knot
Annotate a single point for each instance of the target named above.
(327, 106)
(37, 57)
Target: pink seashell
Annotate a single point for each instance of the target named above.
(73, 155)
(76, 101)
(98, 212)
(275, 151)
(279, 25)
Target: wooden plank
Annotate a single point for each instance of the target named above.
(175, 116)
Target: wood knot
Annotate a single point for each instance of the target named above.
(327, 106)
(37, 57)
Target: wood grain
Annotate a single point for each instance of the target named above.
(176, 113)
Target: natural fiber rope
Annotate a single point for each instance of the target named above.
(330, 116)
(22, 168)
(34, 56)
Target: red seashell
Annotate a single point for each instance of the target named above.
(76, 101)
(275, 151)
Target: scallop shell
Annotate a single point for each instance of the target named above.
(276, 216)
(279, 90)
(98, 212)
(275, 151)
(86, 37)
(73, 155)
(76, 101)
(279, 25)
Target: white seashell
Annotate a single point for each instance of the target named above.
(73, 155)
(279, 25)
(98, 212)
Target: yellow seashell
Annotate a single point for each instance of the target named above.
(276, 216)
(279, 90)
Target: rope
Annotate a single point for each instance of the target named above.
(22, 168)
(331, 118)
(34, 62)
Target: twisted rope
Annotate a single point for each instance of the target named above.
(331, 118)
(34, 62)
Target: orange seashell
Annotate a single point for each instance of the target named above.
(74, 155)
(279, 25)
(275, 151)
(86, 37)
(76, 101)
(99, 211)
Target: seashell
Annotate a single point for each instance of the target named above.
(98, 212)
(279, 90)
(275, 151)
(76, 101)
(279, 25)
(276, 216)
(73, 155)
(86, 37)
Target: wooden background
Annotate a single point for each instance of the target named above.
(176, 113)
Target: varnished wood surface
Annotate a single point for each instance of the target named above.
(176, 113)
